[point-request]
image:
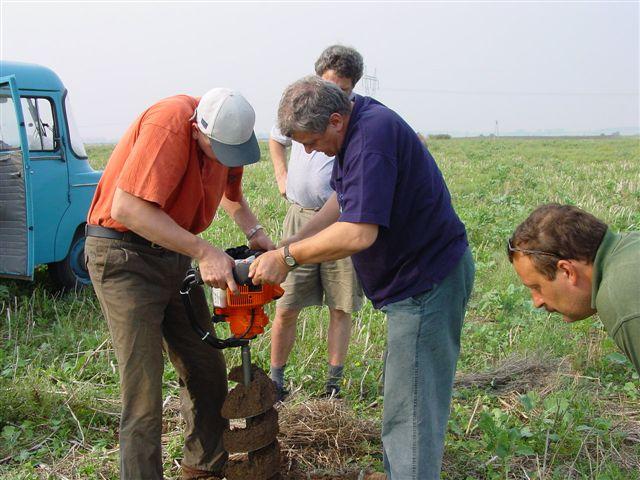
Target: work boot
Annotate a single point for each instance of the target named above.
(190, 473)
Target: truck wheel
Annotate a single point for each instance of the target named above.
(71, 272)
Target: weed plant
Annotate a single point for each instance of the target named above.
(580, 418)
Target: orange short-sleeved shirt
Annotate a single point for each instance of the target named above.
(158, 160)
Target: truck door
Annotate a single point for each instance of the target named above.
(48, 173)
(16, 232)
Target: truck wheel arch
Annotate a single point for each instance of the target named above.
(71, 273)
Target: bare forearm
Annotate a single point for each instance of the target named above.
(240, 213)
(339, 240)
(278, 155)
(150, 222)
(247, 221)
(336, 241)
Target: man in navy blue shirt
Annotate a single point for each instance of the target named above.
(391, 211)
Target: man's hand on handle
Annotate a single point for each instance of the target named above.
(269, 268)
(216, 269)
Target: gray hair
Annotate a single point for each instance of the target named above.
(345, 61)
(307, 104)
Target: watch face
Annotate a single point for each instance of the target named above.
(290, 261)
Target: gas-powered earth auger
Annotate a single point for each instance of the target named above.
(255, 395)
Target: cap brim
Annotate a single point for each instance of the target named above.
(237, 155)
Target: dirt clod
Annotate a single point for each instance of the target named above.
(243, 402)
(262, 464)
(259, 432)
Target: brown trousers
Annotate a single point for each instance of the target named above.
(138, 289)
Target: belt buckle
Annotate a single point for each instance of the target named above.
(155, 246)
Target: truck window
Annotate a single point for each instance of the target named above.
(76, 141)
(40, 123)
(9, 133)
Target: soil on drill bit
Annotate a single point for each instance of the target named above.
(237, 375)
(262, 464)
(259, 432)
(243, 402)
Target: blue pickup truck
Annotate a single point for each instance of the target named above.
(46, 182)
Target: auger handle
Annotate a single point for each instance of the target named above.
(192, 279)
(240, 275)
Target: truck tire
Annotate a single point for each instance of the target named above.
(71, 273)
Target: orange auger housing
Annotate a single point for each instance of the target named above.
(244, 311)
(254, 397)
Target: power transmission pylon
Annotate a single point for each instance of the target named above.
(370, 83)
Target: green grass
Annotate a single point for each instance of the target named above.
(58, 383)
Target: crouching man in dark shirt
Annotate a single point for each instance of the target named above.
(391, 211)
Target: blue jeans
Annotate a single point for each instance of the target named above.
(423, 343)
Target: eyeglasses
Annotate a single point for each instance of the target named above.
(511, 249)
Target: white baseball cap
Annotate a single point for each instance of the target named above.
(227, 118)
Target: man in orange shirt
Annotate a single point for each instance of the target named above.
(161, 187)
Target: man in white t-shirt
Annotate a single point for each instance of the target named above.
(305, 183)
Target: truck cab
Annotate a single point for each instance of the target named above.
(46, 182)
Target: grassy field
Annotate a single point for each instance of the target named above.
(535, 398)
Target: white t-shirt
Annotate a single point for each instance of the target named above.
(308, 174)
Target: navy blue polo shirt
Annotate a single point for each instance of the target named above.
(385, 175)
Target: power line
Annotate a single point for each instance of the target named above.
(469, 92)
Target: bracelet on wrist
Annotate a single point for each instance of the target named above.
(252, 233)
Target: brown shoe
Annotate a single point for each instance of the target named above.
(190, 473)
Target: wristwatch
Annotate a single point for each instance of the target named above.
(289, 259)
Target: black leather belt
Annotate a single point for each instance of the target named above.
(128, 236)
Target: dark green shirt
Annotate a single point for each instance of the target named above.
(616, 290)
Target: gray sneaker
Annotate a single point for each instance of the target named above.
(332, 391)
(281, 392)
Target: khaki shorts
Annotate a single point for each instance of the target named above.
(334, 284)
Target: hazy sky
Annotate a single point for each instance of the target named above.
(445, 67)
